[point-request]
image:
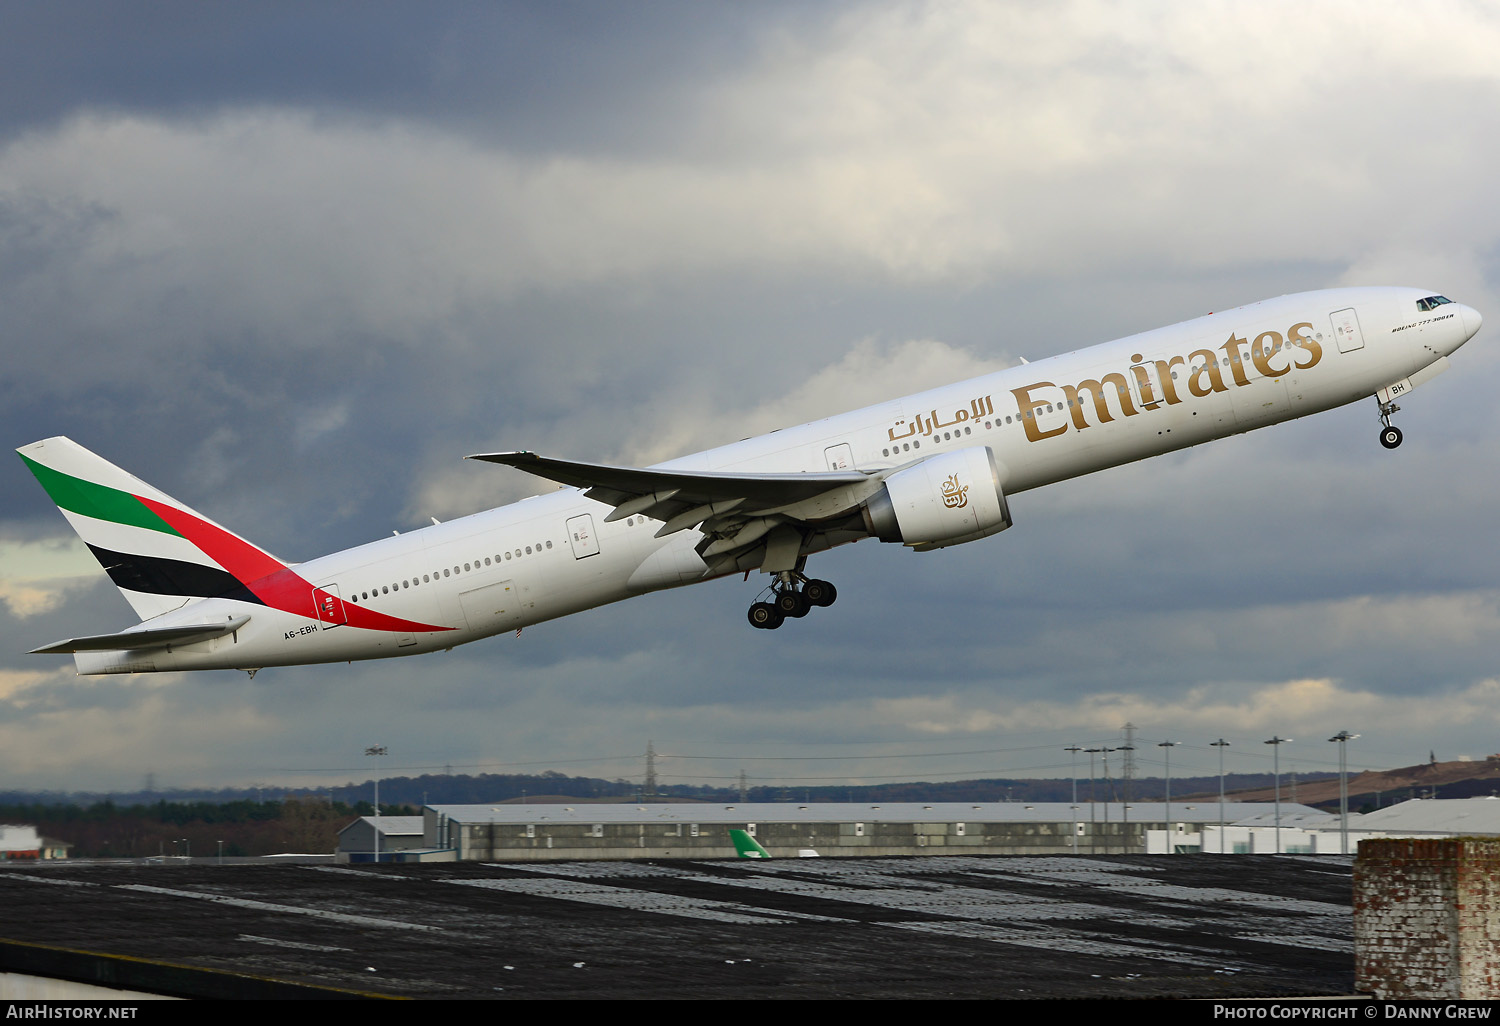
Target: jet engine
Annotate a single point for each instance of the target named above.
(944, 500)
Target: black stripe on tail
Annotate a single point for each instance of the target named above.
(157, 575)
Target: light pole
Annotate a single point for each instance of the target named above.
(1075, 750)
(1167, 747)
(1276, 742)
(1104, 751)
(1221, 744)
(1342, 737)
(377, 751)
(1093, 834)
(1073, 829)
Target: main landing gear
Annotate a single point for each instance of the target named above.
(791, 595)
(1390, 435)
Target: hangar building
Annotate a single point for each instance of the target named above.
(502, 833)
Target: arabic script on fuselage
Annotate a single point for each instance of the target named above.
(933, 423)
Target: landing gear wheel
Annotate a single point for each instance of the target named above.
(792, 603)
(765, 616)
(1390, 437)
(820, 593)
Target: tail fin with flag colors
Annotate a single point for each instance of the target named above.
(746, 846)
(161, 554)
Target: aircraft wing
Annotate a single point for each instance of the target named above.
(734, 511)
(158, 637)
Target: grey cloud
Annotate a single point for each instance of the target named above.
(293, 273)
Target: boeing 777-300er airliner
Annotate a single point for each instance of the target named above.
(926, 471)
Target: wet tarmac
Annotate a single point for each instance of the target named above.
(917, 927)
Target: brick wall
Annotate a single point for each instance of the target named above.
(1425, 918)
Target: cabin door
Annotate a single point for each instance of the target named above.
(581, 534)
(328, 606)
(1346, 330)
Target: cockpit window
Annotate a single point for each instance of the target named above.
(1432, 302)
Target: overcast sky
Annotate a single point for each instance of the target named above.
(291, 262)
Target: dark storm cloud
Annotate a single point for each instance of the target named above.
(571, 76)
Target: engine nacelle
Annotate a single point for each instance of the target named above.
(944, 500)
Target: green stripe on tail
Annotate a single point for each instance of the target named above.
(95, 500)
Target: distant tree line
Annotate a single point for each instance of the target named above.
(296, 824)
(240, 804)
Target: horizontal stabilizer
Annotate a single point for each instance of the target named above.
(158, 637)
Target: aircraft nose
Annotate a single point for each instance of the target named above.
(1472, 321)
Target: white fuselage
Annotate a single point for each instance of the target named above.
(1047, 421)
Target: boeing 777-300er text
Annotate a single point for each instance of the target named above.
(926, 471)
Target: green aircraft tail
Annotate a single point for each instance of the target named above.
(747, 846)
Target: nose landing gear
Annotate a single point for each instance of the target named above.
(1390, 435)
(792, 595)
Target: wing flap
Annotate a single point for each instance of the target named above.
(157, 637)
(734, 512)
(685, 487)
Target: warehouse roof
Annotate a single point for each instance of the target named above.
(863, 812)
(1435, 816)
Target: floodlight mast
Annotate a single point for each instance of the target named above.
(1276, 742)
(1343, 737)
(1221, 744)
(1074, 749)
(377, 751)
(1167, 747)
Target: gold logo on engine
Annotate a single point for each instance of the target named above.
(955, 495)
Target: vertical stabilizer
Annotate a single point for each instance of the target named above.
(160, 553)
(747, 846)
